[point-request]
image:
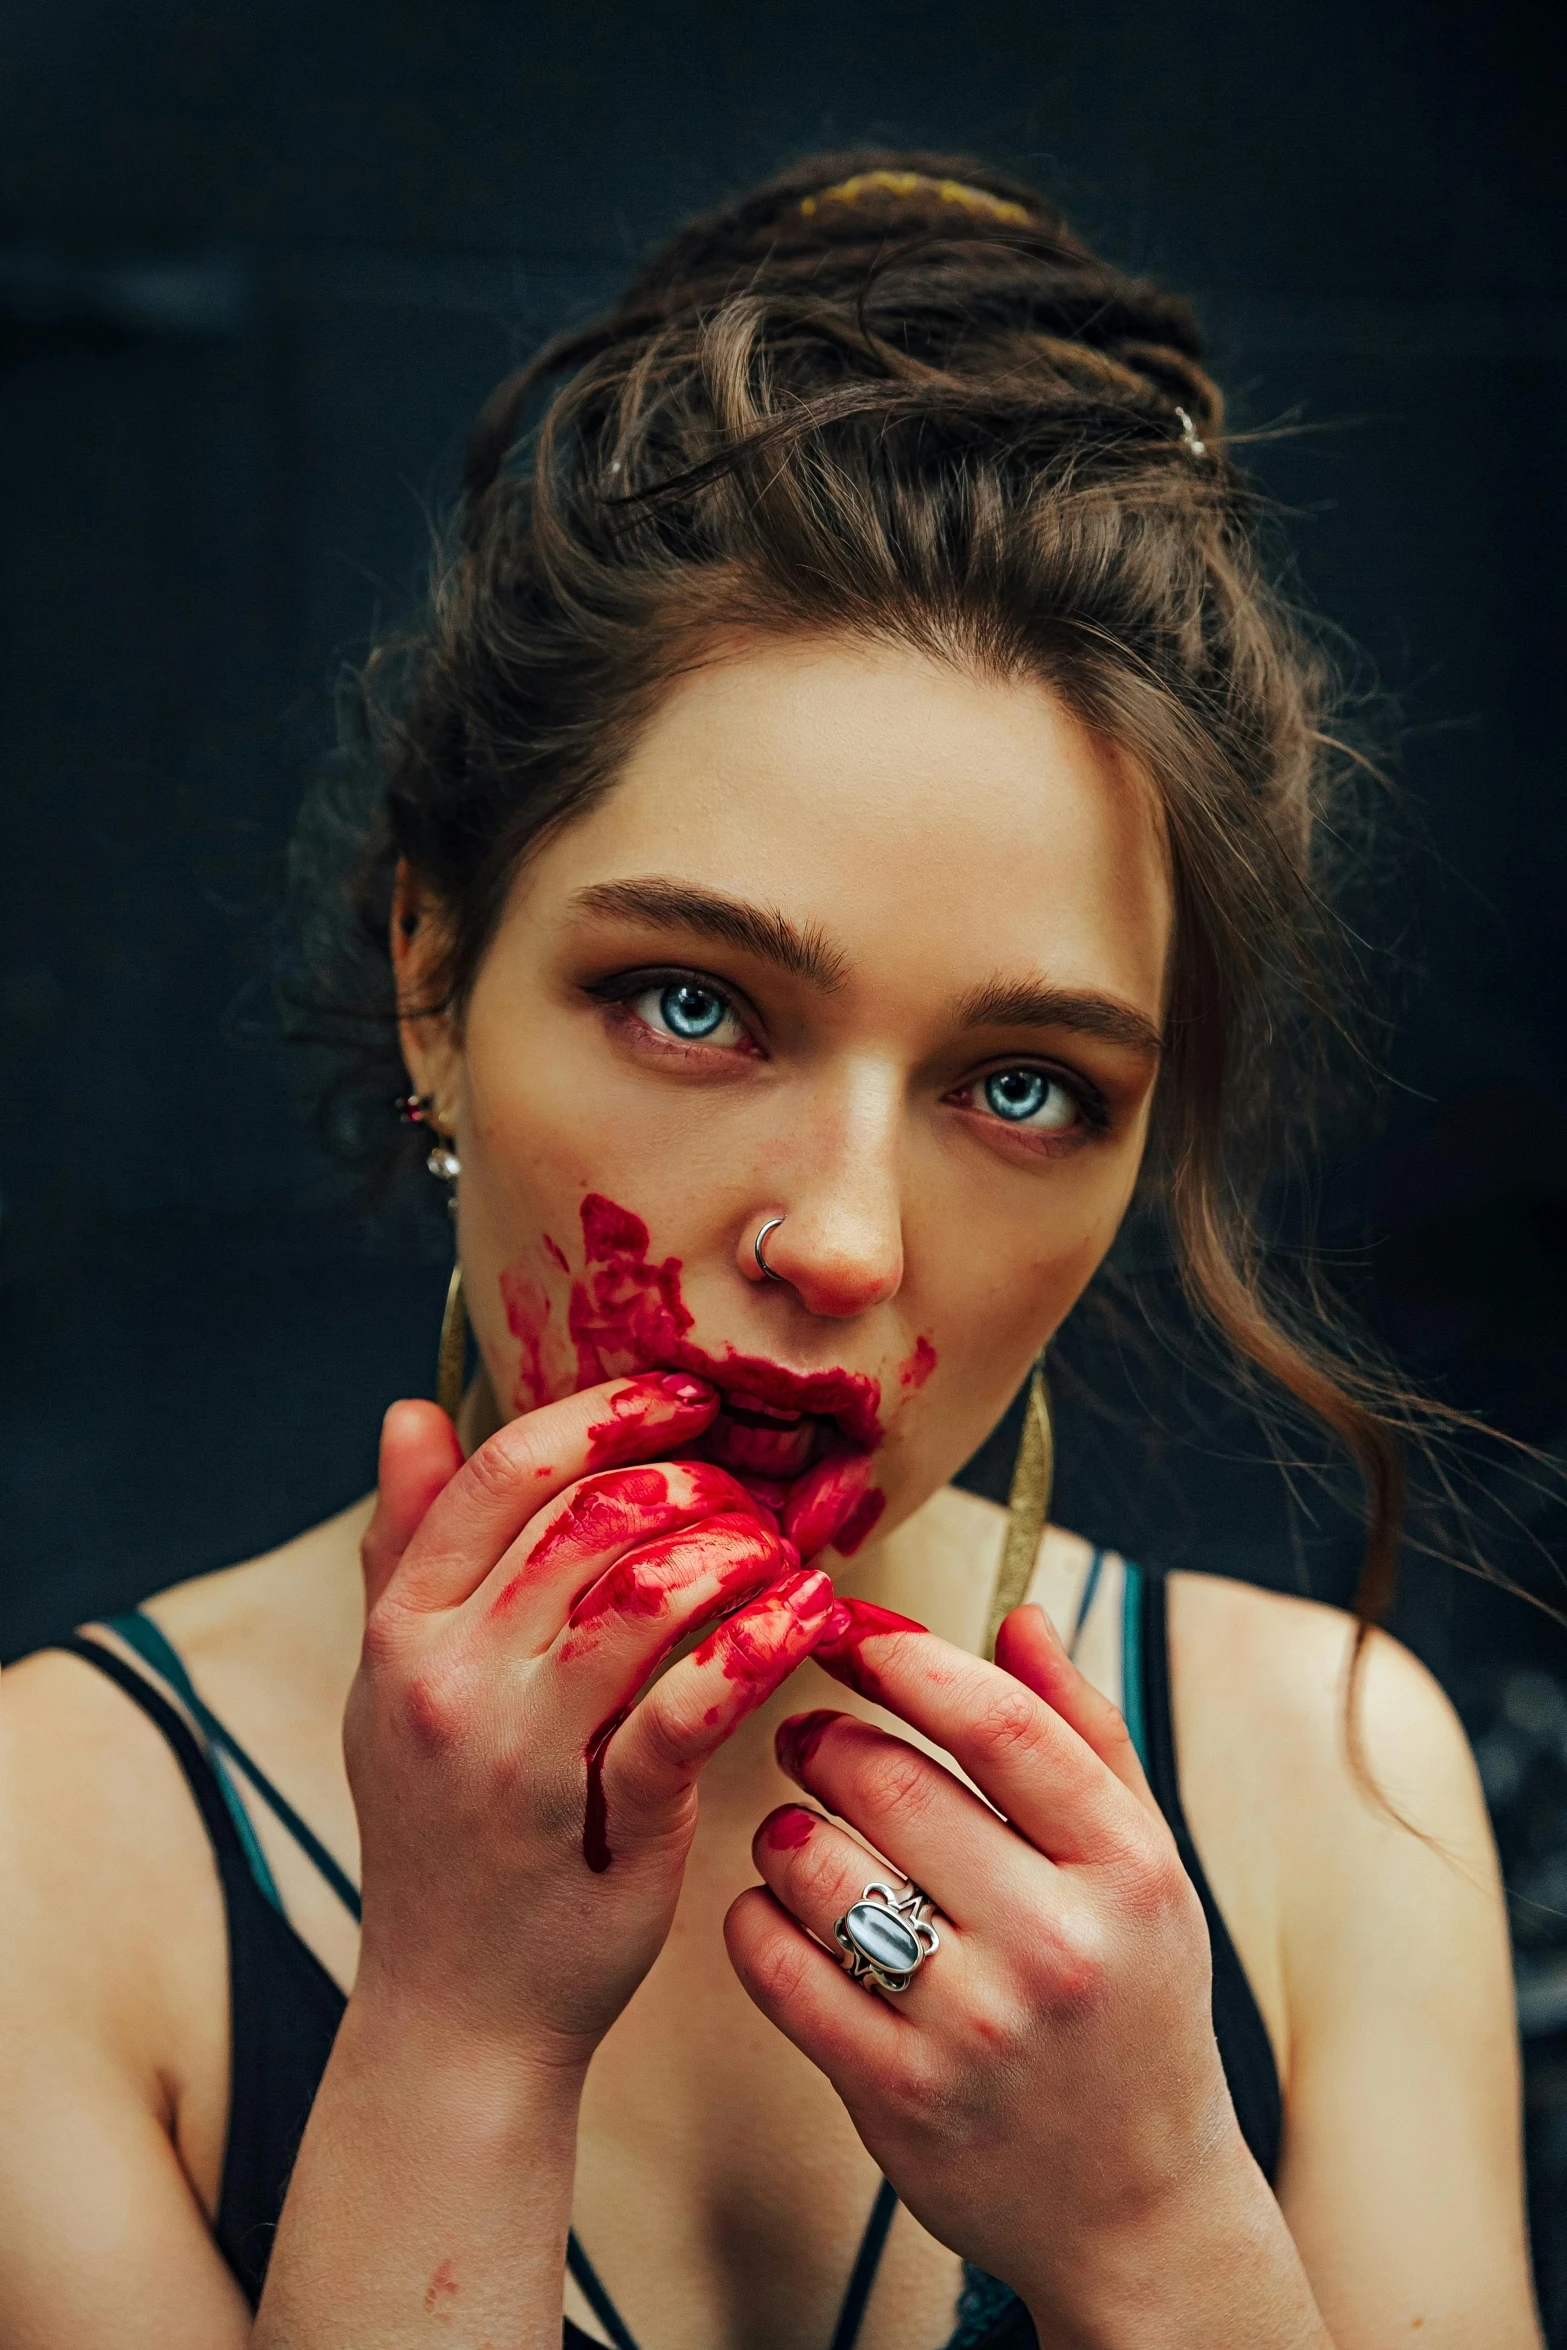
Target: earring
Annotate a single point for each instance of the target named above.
(451, 1361)
(1028, 1505)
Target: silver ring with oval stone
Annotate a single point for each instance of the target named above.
(886, 1937)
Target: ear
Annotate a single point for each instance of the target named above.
(420, 945)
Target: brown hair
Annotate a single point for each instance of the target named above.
(895, 395)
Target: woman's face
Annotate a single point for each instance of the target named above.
(860, 941)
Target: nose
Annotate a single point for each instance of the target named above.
(839, 1244)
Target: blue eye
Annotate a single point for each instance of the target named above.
(690, 1010)
(1029, 1096)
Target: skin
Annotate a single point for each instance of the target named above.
(662, 2046)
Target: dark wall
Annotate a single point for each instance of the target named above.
(257, 268)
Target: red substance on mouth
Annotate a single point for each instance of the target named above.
(919, 1366)
(787, 1830)
(796, 1740)
(840, 1649)
(857, 1525)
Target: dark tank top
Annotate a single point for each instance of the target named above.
(285, 2008)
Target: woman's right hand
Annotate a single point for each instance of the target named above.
(524, 1818)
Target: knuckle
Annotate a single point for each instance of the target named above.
(506, 1459)
(777, 1961)
(1151, 1884)
(1008, 1721)
(899, 1779)
(1072, 1965)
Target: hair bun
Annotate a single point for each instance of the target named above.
(950, 258)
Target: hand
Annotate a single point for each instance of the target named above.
(1047, 2095)
(525, 1819)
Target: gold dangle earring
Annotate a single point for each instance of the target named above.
(451, 1361)
(1028, 1505)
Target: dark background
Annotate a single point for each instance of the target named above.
(259, 265)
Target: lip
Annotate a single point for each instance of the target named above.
(812, 1467)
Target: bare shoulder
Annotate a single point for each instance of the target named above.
(1270, 1673)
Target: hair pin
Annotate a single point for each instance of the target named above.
(1189, 440)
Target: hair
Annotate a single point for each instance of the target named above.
(894, 396)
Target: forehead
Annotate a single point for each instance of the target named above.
(917, 813)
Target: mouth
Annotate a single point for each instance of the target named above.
(799, 1442)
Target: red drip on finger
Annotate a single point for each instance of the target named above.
(796, 1740)
(841, 1647)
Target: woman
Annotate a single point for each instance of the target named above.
(849, 825)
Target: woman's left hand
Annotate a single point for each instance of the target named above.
(1047, 2095)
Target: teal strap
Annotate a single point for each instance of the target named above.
(1132, 1659)
(1090, 1594)
(141, 1633)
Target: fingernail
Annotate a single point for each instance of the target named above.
(808, 1592)
(860, 1619)
(796, 1740)
(681, 1388)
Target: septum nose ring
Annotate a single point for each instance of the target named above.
(767, 1271)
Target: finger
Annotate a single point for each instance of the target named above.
(817, 1870)
(1033, 1766)
(656, 1597)
(852, 2033)
(932, 1828)
(562, 1552)
(527, 1463)
(647, 1759)
(1029, 1647)
(420, 1455)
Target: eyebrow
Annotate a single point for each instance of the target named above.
(1008, 1003)
(666, 904)
(756, 930)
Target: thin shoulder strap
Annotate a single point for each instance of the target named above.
(1134, 1702)
(200, 1777)
(142, 1634)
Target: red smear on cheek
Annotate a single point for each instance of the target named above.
(787, 1830)
(627, 1315)
(527, 1318)
(919, 1365)
(554, 1252)
(840, 1649)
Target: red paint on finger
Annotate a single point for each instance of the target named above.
(841, 1647)
(746, 1647)
(796, 1740)
(919, 1366)
(636, 1410)
(731, 1550)
(788, 1829)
